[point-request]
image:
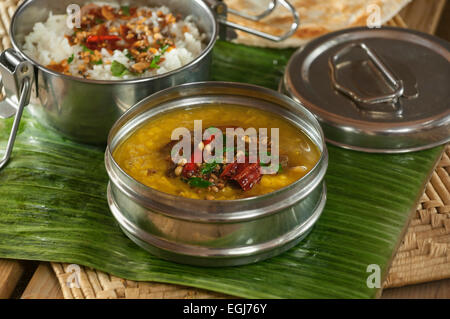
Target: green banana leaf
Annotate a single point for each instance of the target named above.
(53, 208)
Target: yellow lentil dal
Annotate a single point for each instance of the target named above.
(141, 155)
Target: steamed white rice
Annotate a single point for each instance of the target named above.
(47, 43)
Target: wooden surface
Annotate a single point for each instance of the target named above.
(43, 284)
(22, 279)
(10, 273)
(430, 290)
(423, 15)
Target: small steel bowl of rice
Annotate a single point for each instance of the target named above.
(87, 62)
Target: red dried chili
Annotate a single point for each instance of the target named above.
(229, 171)
(245, 174)
(190, 167)
(208, 141)
(101, 38)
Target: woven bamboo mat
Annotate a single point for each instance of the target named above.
(424, 254)
(90, 283)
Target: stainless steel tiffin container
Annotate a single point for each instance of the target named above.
(82, 109)
(218, 232)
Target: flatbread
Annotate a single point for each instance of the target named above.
(317, 17)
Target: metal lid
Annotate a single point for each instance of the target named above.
(376, 90)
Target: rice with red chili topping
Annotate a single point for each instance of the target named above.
(115, 42)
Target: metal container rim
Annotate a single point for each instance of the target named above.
(315, 175)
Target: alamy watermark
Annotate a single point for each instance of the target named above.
(216, 151)
(73, 16)
(374, 18)
(374, 279)
(73, 280)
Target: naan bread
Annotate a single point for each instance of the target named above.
(317, 17)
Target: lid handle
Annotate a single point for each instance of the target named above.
(221, 10)
(393, 82)
(268, 11)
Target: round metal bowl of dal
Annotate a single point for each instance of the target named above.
(217, 232)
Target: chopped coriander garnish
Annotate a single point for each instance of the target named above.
(155, 61)
(70, 59)
(213, 129)
(199, 182)
(208, 168)
(129, 56)
(157, 58)
(86, 49)
(97, 62)
(144, 49)
(125, 10)
(99, 21)
(164, 49)
(118, 69)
